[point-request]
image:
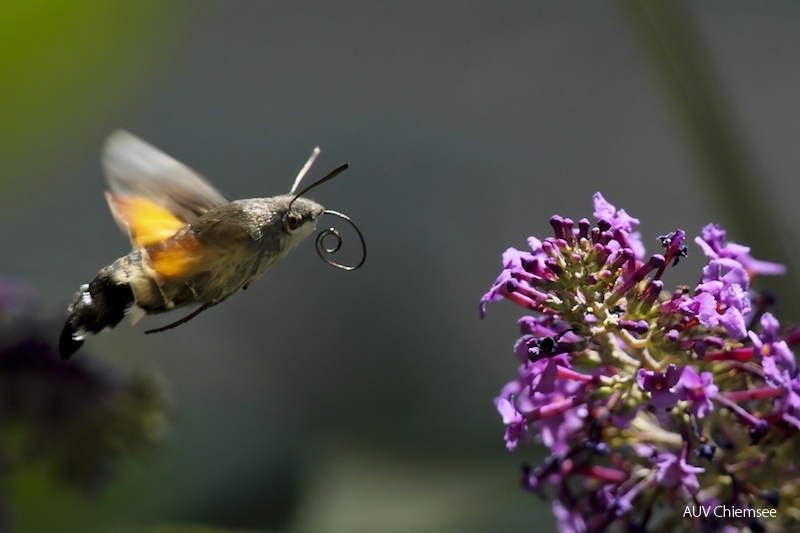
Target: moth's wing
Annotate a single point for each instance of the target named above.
(151, 195)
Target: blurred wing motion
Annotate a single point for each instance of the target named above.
(151, 195)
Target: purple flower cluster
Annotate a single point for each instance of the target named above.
(649, 401)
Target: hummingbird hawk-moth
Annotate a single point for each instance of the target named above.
(191, 246)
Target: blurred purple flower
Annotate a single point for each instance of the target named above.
(711, 243)
(673, 471)
(721, 298)
(619, 220)
(83, 417)
(569, 521)
(698, 390)
(660, 385)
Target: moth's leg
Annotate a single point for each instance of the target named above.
(182, 320)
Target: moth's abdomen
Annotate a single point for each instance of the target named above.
(97, 305)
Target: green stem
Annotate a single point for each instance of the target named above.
(676, 51)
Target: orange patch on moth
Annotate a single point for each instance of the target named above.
(147, 222)
(177, 256)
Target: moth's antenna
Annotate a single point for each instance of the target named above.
(304, 170)
(332, 174)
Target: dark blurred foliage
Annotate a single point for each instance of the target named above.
(81, 418)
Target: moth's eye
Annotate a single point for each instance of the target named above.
(293, 221)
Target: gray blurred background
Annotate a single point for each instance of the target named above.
(321, 400)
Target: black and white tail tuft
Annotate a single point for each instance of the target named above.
(97, 306)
